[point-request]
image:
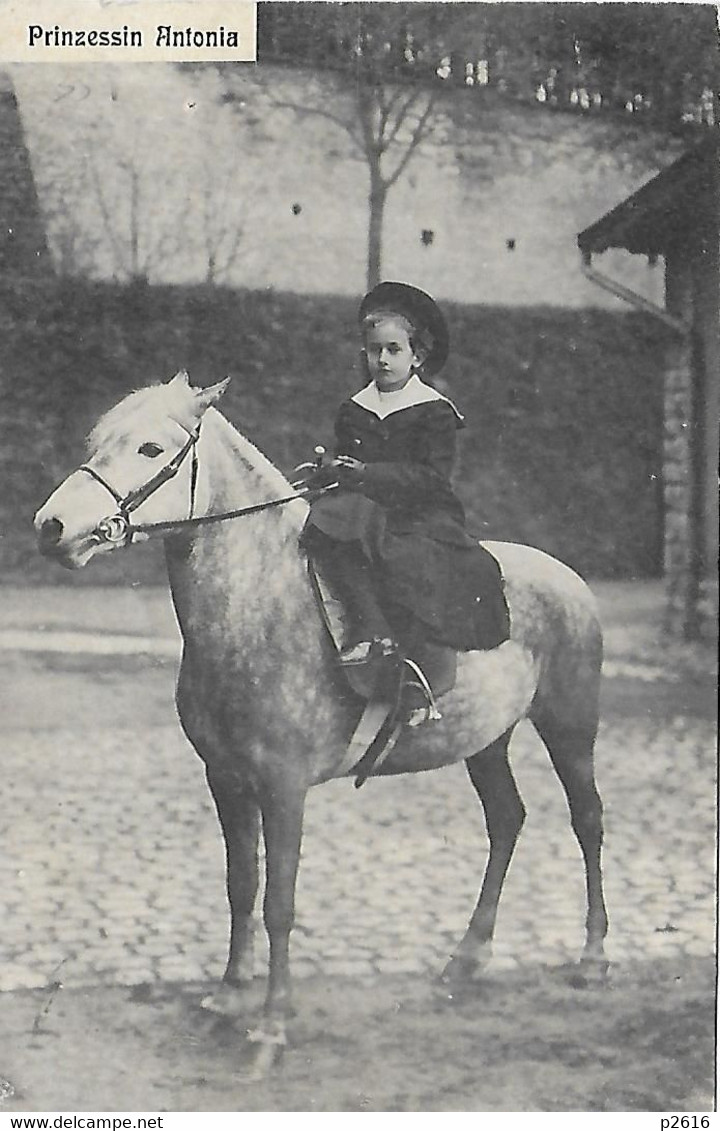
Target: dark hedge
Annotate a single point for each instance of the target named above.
(564, 408)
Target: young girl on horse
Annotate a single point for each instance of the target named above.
(391, 538)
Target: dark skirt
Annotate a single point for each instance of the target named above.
(455, 591)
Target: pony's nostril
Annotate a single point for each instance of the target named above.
(51, 532)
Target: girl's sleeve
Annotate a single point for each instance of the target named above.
(343, 434)
(427, 476)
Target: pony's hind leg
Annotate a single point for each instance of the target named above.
(238, 813)
(571, 749)
(494, 784)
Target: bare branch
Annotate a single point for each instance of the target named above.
(304, 111)
(168, 241)
(117, 248)
(396, 95)
(403, 114)
(221, 239)
(415, 139)
(73, 243)
(231, 254)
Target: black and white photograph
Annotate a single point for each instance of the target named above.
(359, 558)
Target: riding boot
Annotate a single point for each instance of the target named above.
(351, 577)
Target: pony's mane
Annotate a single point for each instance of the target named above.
(251, 458)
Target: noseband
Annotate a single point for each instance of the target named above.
(116, 528)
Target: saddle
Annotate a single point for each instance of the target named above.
(399, 691)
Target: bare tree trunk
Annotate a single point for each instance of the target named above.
(378, 195)
(134, 224)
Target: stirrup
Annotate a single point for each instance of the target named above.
(429, 712)
(420, 715)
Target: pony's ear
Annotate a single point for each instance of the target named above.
(180, 378)
(210, 395)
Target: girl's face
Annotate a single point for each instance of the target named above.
(390, 355)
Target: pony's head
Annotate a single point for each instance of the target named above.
(141, 459)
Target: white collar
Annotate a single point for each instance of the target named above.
(412, 393)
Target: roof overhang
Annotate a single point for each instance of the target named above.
(667, 210)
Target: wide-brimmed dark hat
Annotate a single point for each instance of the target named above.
(418, 308)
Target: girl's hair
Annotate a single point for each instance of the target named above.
(420, 339)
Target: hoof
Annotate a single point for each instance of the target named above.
(588, 974)
(596, 972)
(227, 1001)
(461, 974)
(267, 1047)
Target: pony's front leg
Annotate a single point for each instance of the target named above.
(282, 809)
(238, 812)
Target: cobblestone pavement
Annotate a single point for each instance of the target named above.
(112, 867)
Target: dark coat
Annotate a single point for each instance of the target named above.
(408, 521)
(409, 458)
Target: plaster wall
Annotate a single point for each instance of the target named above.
(503, 202)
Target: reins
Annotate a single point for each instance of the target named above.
(223, 516)
(118, 527)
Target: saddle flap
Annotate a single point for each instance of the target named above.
(395, 688)
(438, 664)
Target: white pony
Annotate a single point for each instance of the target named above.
(259, 694)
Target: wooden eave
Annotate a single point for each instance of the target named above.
(665, 211)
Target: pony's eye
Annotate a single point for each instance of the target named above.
(150, 450)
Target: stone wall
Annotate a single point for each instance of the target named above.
(707, 301)
(678, 487)
(487, 213)
(690, 447)
(691, 583)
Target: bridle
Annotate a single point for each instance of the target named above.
(118, 529)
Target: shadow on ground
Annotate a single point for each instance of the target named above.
(524, 1042)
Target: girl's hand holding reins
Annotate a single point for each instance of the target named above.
(349, 471)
